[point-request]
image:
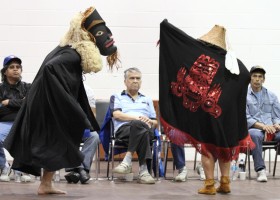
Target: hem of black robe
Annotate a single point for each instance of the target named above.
(180, 138)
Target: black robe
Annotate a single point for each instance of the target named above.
(201, 102)
(50, 124)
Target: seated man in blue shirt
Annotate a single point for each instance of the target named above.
(134, 118)
(263, 117)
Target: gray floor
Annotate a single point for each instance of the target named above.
(163, 189)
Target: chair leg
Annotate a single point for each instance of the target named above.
(246, 162)
(97, 162)
(166, 146)
(157, 161)
(98, 159)
(249, 163)
(109, 157)
(152, 160)
(195, 157)
(249, 166)
(275, 160)
(113, 155)
(269, 159)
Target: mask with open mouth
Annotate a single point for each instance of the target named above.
(99, 32)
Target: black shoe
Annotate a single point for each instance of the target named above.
(84, 176)
(72, 177)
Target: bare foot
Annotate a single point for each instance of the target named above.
(43, 189)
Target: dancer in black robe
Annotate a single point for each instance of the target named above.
(203, 100)
(49, 127)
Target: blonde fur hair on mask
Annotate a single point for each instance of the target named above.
(80, 40)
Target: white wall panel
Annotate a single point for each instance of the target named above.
(31, 28)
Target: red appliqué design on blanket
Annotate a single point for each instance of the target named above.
(195, 88)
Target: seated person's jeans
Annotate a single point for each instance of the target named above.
(5, 128)
(178, 153)
(257, 136)
(91, 142)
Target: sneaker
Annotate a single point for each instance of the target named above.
(146, 178)
(200, 171)
(182, 177)
(25, 178)
(262, 176)
(5, 174)
(123, 168)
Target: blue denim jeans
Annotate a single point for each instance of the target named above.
(178, 153)
(5, 128)
(257, 136)
(91, 141)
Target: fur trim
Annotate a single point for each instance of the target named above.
(80, 40)
(90, 55)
